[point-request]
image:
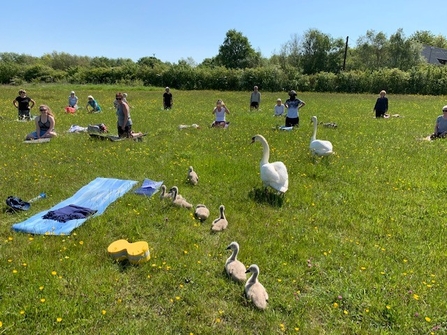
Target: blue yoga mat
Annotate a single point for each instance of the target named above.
(96, 195)
(149, 187)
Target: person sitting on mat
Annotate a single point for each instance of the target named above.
(73, 100)
(44, 124)
(95, 107)
(220, 110)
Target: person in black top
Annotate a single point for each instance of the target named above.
(381, 106)
(23, 103)
(167, 99)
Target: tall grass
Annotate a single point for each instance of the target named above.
(356, 247)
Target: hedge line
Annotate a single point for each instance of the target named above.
(425, 79)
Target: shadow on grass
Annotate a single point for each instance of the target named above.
(262, 195)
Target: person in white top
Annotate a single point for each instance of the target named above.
(279, 108)
(220, 110)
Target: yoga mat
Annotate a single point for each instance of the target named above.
(97, 195)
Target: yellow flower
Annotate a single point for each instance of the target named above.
(22, 312)
(42, 300)
(103, 312)
(1, 324)
(345, 312)
(81, 242)
(415, 297)
(335, 305)
(14, 271)
(59, 319)
(388, 307)
(41, 288)
(427, 319)
(54, 273)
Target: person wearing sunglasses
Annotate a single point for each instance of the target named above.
(124, 123)
(44, 124)
(23, 103)
(440, 125)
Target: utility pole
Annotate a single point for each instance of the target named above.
(346, 53)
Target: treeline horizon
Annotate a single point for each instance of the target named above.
(311, 62)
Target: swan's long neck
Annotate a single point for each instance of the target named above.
(234, 254)
(174, 194)
(254, 278)
(163, 191)
(222, 213)
(314, 135)
(265, 152)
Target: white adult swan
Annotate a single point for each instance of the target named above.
(319, 147)
(272, 174)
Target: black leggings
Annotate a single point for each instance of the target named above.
(292, 122)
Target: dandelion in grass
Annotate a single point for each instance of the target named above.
(42, 300)
(9, 260)
(1, 324)
(22, 312)
(30, 238)
(59, 320)
(53, 273)
(415, 297)
(217, 320)
(177, 298)
(81, 242)
(345, 312)
(363, 268)
(14, 271)
(297, 329)
(40, 288)
(335, 305)
(10, 238)
(427, 319)
(388, 307)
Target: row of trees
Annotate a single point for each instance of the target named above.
(314, 61)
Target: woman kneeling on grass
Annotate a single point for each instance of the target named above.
(220, 110)
(44, 124)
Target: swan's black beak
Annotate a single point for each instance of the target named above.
(247, 271)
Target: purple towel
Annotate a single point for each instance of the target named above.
(70, 212)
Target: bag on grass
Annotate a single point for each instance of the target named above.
(16, 203)
(99, 128)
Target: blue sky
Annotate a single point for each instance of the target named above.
(179, 29)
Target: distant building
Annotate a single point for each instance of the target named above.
(434, 55)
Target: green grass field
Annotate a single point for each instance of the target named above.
(356, 246)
